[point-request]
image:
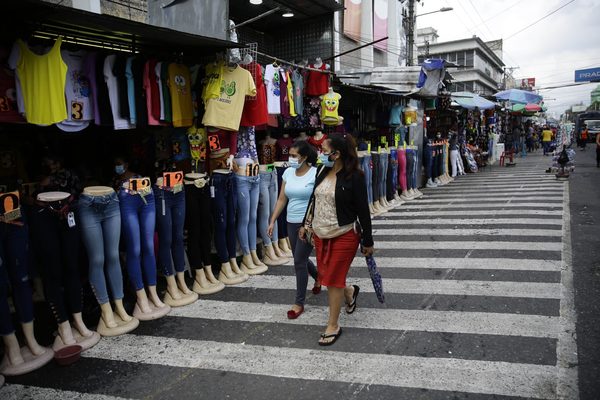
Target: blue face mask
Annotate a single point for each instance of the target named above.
(120, 169)
(293, 162)
(325, 160)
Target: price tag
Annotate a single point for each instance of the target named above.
(76, 111)
(252, 169)
(10, 206)
(71, 219)
(139, 184)
(172, 179)
(213, 143)
(212, 192)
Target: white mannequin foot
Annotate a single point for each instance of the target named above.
(65, 333)
(32, 343)
(121, 313)
(255, 260)
(79, 325)
(249, 267)
(270, 257)
(181, 283)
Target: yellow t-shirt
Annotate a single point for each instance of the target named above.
(329, 108)
(180, 88)
(43, 79)
(546, 136)
(213, 77)
(290, 92)
(225, 112)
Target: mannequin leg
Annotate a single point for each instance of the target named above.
(65, 333)
(203, 286)
(155, 299)
(142, 303)
(80, 325)
(229, 277)
(181, 284)
(32, 343)
(173, 288)
(120, 310)
(270, 255)
(12, 349)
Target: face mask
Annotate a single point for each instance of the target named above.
(293, 162)
(120, 169)
(325, 160)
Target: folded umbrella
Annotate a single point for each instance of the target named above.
(375, 278)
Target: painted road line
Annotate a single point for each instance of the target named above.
(469, 232)
(449, 204)
(474, 221)
(388, 319)
(473, 376)
(472, 200)
(486, 195)
(399, 212)
(470, 245)
(462, 263)
(533, 290)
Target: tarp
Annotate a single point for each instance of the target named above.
(432, 74)
(470, 101)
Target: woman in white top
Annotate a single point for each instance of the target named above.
(296, 189)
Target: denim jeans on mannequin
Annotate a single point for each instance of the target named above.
(392, 174)
(428, 160)
(248, 192)
(402, 170)
(100, 218)
(417, 170)
(383, 169)
(138, 219)
(302, 264)
(56, 246)
(224, 204)
(266, 205)
(170, 220)
(410, 167)
(282, 219)
(375, 175)
(14, 258)
(365, 165)
(198, 221)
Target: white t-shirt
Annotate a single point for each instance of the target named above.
(113, 94)
(80, 110)
(272, 83)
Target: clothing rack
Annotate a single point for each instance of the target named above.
(281, 61)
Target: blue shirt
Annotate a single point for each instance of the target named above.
(298, 190)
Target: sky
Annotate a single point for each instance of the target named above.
(550, 51)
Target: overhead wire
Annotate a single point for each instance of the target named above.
(539, 20)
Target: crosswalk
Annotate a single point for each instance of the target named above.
(479, 304)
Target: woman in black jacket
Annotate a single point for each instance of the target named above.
(339, 218)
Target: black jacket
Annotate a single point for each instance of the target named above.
(351, 201)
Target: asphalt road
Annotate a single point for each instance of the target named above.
(479, 278)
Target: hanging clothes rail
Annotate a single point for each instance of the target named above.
(281, 61)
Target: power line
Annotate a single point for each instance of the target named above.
(535, 22)
(481, 18)
(500, 13)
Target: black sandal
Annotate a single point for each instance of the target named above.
(350, 308)
(335, 337)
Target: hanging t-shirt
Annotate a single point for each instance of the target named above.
(396, 115)
(139, 94)
(152, 93)
(312, 111)
(255, 109)
(213, 78)
(283, 98)
(329, 108)
(283, 148)
(226, 111)
(180, 85)
(166, 94)
(161, 92)
(8, 92)
(298, 190)
(120, 73)
(218, 139)
(93, 67)
(131, 90)
(43, 79)
(273, 89)
(298, 82)
(290, 94)
(13, 60)
(113, 94)
(317, 82)
(80, 110)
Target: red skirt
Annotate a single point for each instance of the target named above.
(334, 257)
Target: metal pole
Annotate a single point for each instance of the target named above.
(356, 48)
(411, 32)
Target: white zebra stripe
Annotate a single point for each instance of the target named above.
(473, 200)
(467, 232)
(451, 204)
(468, 245)
(462, 263)
(399, 212)
(469, 221)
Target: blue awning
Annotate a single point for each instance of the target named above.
(470, 101)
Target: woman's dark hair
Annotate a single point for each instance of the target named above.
(306, 150)
(346, 146)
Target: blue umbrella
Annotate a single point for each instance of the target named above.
(518, 96)
(470, 101)
(375, 278)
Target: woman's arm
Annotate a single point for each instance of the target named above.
(279, 206)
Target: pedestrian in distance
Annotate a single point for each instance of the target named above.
(340, 218)
(296, 189)
(546, 139)
(584, 137)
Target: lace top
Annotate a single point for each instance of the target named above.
(325, 221)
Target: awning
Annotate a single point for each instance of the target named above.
(471, 101)
(390, 80)
(518, 96)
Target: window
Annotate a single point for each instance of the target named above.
(469, 59)
(460, 60)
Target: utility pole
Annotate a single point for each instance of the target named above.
(410, 37)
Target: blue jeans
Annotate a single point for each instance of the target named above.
(282, 219)
(266, 205)
(14, 268)
(100, 220)
(248, 191)
(224, 204)
(375, 175)
(427, 160)
(393, 174)
(170, 219)
(546, 146)
(411, 157)
(365, 165)
(302, 264)
(416, 169)
(383, 168)
(138, 216)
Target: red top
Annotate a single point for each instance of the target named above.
(220, 139)
(154, 103)
(317, 82)
(8, 93)
(255, 109)
(283, 148)
(317, 143)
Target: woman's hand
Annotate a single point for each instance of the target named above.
(270, 229)
(302, 234)
(368, 251)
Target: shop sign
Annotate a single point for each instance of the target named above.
(587, 75)
(527, 83)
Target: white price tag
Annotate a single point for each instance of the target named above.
(71, 219)
(212, 192)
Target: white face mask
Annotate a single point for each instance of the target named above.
(294, 163)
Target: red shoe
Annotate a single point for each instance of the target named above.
(316, 289)
(291, 314)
